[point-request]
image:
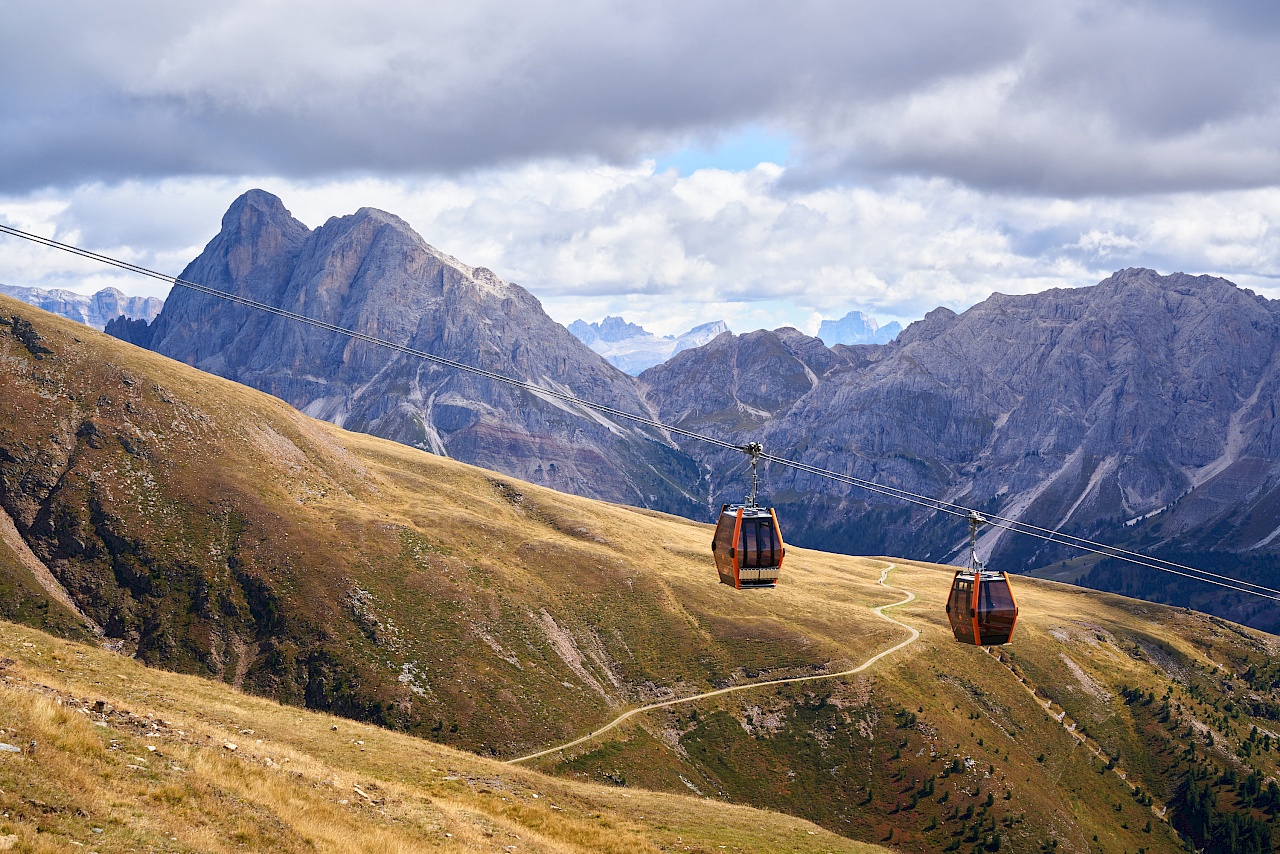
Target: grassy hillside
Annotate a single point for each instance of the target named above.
(206, 528)
(946, 747)
(211, 529)
(129, 758)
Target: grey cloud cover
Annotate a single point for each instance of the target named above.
(1071, 99)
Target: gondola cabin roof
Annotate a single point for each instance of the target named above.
(748, 546)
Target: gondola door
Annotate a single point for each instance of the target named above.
(960, 610)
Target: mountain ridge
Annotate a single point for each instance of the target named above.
(1138, 412)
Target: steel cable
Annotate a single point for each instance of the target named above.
(937, 504)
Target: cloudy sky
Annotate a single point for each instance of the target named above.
(762, 163)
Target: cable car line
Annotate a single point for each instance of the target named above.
(1025, 528)
(940, 505)
(1098, 549)
(360, 336)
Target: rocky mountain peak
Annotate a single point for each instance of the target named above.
(857, 328)
(930, 326)
(370, 271)
(255, 209)
(616, 329)
(712, 329)
(735, 383)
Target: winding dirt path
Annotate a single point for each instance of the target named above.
(878, 610)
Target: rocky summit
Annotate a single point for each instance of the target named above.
(631, 348)
(371, 273)
(857, 328)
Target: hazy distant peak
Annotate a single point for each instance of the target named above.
(632, 348)
(94, 310)
(857, 328)
(715, 327)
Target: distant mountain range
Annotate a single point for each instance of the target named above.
(90, 309)
(857, 328)
(1140, 411)
(630, 348)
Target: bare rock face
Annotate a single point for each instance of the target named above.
(857, 328)
(735, 387)
(1140, 410)
(736, 384)
(371, 273)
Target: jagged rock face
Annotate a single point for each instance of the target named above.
(371, 273)
(1076, 409)
(732, 388)
(737, 383)
(610, 330)
(94, 310)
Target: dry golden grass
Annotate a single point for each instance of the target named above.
(488, 587)
(294, 782)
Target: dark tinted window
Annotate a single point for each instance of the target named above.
(766, 542)
(996, 611)
(750, 546)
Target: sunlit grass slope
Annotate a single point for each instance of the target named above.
(129, 758)
(1082, 735)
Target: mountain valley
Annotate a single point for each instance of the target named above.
(202, 527)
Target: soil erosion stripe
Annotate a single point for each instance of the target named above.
(879, 611)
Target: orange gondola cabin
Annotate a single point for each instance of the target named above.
(748, 546)
(981, 607)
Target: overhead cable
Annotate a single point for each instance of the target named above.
(939, 505)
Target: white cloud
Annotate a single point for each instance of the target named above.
(1034, 96)
(669, 252)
